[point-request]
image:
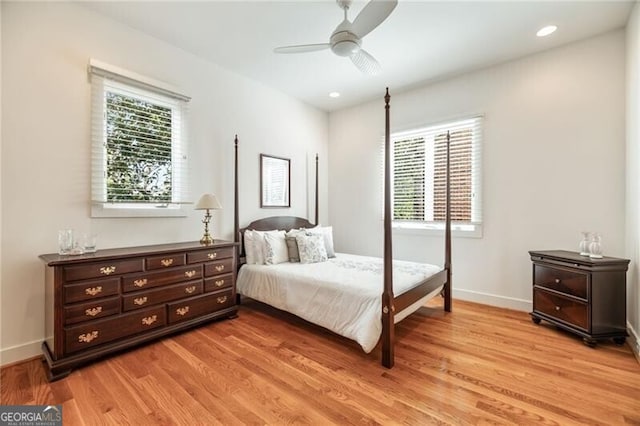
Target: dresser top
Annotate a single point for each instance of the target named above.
(574, 257)
(53, 259)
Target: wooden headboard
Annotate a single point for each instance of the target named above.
(285, 223)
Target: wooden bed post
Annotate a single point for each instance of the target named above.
(388, 310)
(236, 218)
(447, 231)
(317, 212)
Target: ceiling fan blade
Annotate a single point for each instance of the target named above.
(372, 15)
(366, 63)
(302, 48)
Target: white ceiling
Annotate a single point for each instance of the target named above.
(419, 42)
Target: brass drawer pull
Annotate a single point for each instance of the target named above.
(107, 270)
(190, 289)
(92, 291)
(166, 262)
(88, 337)
(212, 255)
(557, 280)
(219, 268)
(222, 299)
(92, 312)
(140, 283)
(219, 283)
(149, 320)
(189, 274)
(140, 301)
(557, 308)
(182, 311)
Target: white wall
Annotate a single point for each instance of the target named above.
(633, 173)
(45, 140)
(553, 158)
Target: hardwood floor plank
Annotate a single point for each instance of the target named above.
(478, 365)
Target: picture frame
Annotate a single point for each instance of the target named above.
(275, 181)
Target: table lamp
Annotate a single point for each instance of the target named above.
(207, 202)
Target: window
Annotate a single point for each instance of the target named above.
(419, 176)
(139, 157)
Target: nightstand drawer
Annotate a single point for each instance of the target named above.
(143, 299)
(569, 282)
(218, 268)
(103, 331)
(562, 308)
(209, 255)
(161, 278)
(166, 261)
(101, 269)
(88, 290)
(92, 310)
(197, 306)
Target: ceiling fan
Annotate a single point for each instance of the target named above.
(346, 39)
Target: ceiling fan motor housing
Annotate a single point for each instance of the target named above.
(344, 43)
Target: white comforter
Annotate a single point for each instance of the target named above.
(342, 294)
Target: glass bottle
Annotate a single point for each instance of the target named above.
(584, 244)
(595, 247)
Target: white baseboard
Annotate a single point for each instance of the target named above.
(634, 341)
(20, 352)
(493, 300)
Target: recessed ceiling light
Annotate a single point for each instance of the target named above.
(334, 95)
(545, 31)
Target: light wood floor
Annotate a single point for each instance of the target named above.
(477, 365)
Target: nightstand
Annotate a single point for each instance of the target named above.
(582, 295)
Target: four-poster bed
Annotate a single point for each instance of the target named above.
(415, 283)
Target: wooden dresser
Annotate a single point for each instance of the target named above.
(113, 299)
(579, 294)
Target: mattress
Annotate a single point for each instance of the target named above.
(342, 294)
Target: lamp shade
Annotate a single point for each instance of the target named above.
(208, 201)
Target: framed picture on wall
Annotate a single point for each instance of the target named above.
(275, 181)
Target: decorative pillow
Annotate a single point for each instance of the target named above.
(259, 246)
(311, 248)
(327, 234)
(292, 249)
(275, 248)
(249, 247)
(292, 244)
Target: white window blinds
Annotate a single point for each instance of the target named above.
(139, 149)
(419, 173)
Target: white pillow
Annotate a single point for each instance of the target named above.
(275, 248)
(327, 234)
(259, 249)
(311, 248)
(249, 247)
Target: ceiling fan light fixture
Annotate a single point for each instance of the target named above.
(545, 31)
(345, 48)
(334, 94)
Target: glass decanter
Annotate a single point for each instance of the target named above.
(595, 246)
(584, 244)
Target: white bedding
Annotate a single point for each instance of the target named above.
(342, 294)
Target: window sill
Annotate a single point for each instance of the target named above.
(464, 231)
(110, 210)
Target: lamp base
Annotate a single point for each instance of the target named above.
(206, 240)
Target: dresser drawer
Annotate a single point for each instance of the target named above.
(162, 262)
(88, 290)
(569, 282)
(218, 268)
(165, 294)
(209, 255)
(218, 283)
(201, 305)
(562, 308)
(155, 279)
(95, 333)
(101, 269)
(91, 310)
